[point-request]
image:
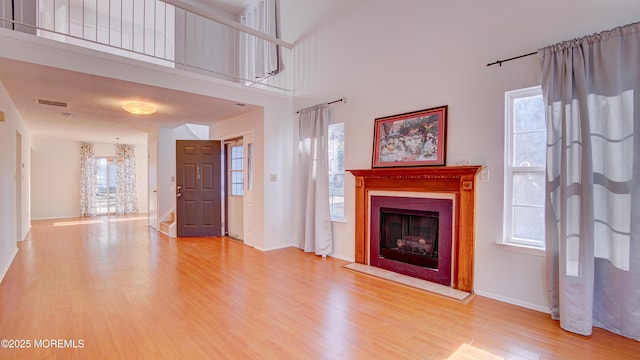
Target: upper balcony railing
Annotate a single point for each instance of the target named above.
(155, 31)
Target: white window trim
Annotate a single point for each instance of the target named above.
(520, 245)
(521, 248)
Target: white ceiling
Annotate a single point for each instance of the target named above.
(94, 112)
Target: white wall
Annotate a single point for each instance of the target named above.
(55, 182)
(201, 43)
(390, 57)
(273, 174)
(9, 232)
(142, 177)
(167, 167)
(252, 122)
(279, 176)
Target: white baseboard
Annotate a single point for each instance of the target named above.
(57, 217)
(26, 234)
(511, 301)
(277, 247)
(4, 270)
(342, 257)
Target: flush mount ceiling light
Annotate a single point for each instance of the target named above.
(139, 107)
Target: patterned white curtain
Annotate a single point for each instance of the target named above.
(87, 181)
(126, 193)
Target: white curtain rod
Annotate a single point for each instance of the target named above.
(344, 100)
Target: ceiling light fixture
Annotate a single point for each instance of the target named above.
(139, 107)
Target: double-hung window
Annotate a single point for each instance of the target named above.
(336, 171)
(525, 154)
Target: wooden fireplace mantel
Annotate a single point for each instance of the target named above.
(457, 180)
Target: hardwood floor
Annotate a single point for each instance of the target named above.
(122, 291)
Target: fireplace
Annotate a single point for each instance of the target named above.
(453, 185)
(412, 236)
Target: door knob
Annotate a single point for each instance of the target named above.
(178, 193)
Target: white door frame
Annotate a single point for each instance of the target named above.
(152, 177)
(249, 174)
(248, 209)
(235, 206)
(19, 186)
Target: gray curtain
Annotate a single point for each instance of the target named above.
(313, 160)
(591, 89)
(126, 192)
(87, 180)
(261, 58)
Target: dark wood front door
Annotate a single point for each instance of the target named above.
(198, 188)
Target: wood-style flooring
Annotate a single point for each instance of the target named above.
(122, 291)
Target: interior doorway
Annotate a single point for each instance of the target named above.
(238, 188)
(106, 170)
(152, 168)
(235, 164)
(18, 186)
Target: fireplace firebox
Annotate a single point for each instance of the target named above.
(409, 236)
(412, 236)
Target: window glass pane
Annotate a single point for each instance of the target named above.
(250, 166)
(528, 222)
(337, 207)
(528, 114)
(529, 149)
(237, 174)
(336, 171)
(105, 200)
(528, 189)
(236, 157)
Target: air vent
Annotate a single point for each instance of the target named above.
(52, 103)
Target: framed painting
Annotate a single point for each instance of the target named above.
(412, 139)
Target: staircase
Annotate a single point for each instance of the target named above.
(168, 225)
